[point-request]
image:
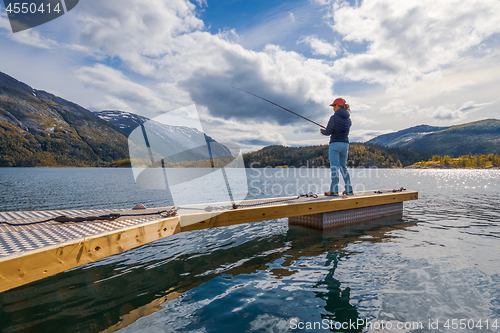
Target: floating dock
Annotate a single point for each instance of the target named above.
(30, 252)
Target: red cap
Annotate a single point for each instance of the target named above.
(338, 101)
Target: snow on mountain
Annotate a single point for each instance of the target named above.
(181, 143)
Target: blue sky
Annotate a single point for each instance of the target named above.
(398, 64)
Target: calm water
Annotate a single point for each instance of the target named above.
(440, 262)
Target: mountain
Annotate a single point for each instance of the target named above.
(479, 137)
(396, 139)
(124, 122)
(177, 143)
(40, 129)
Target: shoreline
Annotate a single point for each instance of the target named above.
(409, 167)
(447, 168)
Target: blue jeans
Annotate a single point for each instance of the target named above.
(338, 160)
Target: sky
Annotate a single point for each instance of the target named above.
(397, 63)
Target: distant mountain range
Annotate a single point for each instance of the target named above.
(40, 129)
(399, 138)
(179, 143)
(479, 137)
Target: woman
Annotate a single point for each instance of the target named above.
(338, 129)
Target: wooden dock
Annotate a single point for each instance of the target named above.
(30, 252)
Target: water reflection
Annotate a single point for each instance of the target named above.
(338, 307)
(108, 297)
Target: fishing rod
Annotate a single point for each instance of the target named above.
(298, 115)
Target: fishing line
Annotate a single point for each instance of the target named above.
(298, 115)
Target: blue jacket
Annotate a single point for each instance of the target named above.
(338, 126)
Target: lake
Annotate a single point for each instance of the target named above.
(436, 269)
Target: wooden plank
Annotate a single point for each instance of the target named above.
(261, 213)
(26, 267)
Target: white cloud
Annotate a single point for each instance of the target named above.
(433, 76)
(473, 106)
(408, 39)
(28, 37)
(166, 41)
(320, 46)
(116, 83)
(278, 26)
(136, 31)
(363, 135)
(398, 108)
(229, 35)
(284, 77)
(88, 51)
(325, 2)
(201, 2)
(426, 59)
(440, 113)
(250, 135)
(112, 103)
(362, 121)
(33, 38)
(458, 86)
(4, 22)
(196, 66)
